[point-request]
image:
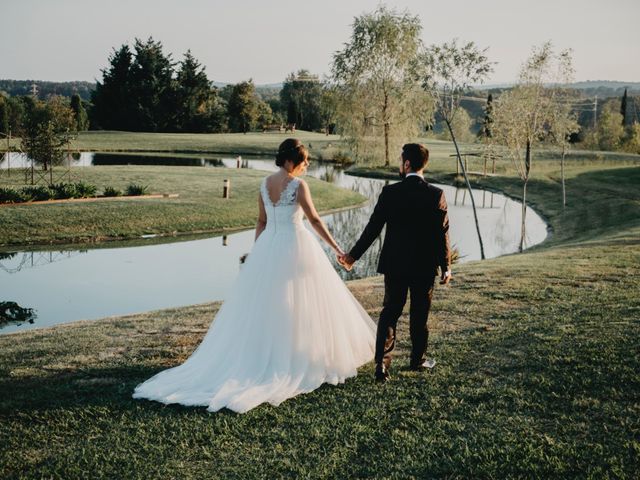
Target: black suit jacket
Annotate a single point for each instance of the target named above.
(416, 242)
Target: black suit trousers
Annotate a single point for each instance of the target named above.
(395, 298)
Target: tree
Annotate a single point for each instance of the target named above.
(564, 121)
(264, 114)
(609, 131)
(381, 102)
(112, 101)
(623, 108)
(193, 93)
(242, 108)
(4, 115)
(524, 116)
(487, 122)
(79, 113)
(449, 70)
(152, 88)
(301, 96)
(461, 126)
(632, 143)
(47, 128)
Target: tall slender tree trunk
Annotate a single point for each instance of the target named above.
(524, 215)
(386, 130)
(523, 230)
(564, 191)
(464, 173)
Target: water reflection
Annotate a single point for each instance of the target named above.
(124, 277)
(13, 314)
(13, 262)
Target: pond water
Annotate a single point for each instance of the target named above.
(67, 284)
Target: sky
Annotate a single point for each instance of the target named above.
(64, 40)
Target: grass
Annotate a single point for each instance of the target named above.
(321, 146)
(537, 378)
(199, 207)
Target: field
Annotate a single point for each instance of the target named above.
(537, 375)
(199, 207)
(321, 147)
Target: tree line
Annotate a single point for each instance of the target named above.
(143, 89)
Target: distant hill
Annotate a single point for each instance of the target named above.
(44, 88)
(23, 87)
(590, 88)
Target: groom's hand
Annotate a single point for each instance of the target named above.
(346, 261)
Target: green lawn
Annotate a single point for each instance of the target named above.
(321, 146)
(199, 208)
(538, 354)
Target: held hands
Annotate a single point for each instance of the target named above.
(346, 261)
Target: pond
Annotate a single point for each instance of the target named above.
(67, 284)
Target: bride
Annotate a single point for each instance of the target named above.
(289, 324)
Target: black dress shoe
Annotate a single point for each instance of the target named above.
(382, 374)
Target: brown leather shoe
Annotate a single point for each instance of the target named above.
(382, 373)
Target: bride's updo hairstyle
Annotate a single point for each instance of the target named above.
(291, 149)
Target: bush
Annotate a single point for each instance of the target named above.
(111, 192)
(134, 189)
(63, 190)
(9, 195)
(37, 193)
(84, 190)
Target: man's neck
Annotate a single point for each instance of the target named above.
(419, 173)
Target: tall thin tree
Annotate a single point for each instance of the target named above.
(449, 70)
(380, 103)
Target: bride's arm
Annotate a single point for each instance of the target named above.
(262, 217)
(304, 197)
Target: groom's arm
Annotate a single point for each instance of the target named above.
(443, 252)
(372, 230)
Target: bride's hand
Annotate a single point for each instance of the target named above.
(339, 252)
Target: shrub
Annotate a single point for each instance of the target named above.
(84, 190)
(63, 190)
(134, 189)
(37, 193)
(9, 195)
(112, 192)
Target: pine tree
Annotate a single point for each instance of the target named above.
(487, 123)
(152, 87)
(193, 96)
(112, 106)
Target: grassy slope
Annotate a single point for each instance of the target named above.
(200, 206)
(537, 377)
(254, 143)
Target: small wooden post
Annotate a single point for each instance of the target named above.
(226, 191)
(239, 161)
(224, 240)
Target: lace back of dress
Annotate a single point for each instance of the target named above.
(289, 195)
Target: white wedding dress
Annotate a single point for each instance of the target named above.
(289, 325)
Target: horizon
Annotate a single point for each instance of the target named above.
(268, 47)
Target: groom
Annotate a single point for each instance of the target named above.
(416, 244)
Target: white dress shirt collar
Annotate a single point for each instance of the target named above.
(413, 174)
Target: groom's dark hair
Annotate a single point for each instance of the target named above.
(417, 155)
